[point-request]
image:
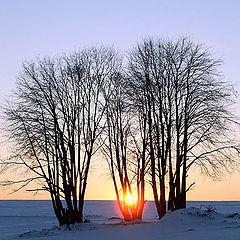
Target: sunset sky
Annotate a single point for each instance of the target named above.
(47, 28)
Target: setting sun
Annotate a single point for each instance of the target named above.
(130, 200)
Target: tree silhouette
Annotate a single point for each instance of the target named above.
(55, 120)
(185, 104)
(124, 146)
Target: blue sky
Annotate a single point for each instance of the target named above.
(48, 27)
(31, 28)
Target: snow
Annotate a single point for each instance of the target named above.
(36, 220)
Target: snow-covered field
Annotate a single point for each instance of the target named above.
(36, 220)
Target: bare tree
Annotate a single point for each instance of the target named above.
(201, 116)
(124, 147)
(149, 91)
(186, 110)
(55, 120)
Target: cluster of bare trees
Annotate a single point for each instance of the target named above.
(55, 120)
(124, 145)
(177, 89)
(153, 119)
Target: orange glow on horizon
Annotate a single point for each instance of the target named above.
(205, 189)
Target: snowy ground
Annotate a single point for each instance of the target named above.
(35, 220)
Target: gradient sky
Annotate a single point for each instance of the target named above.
(31, 28)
